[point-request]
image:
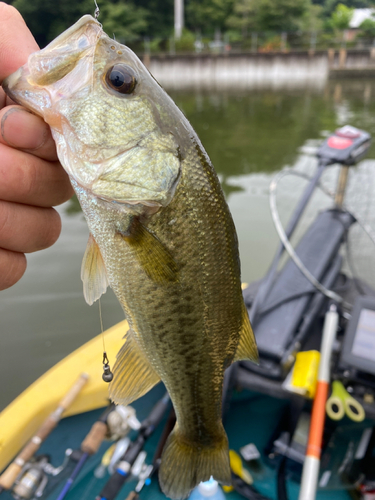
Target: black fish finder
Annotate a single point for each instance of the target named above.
(358, 350)
(347, 145)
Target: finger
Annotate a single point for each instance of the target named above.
(23, 130)
(32, 181)
(16, 40)
(12, 268)
(4, 99)
(27, 229)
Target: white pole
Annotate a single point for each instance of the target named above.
(310, 471)
(178, 18)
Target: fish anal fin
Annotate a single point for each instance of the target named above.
(133, 375)
(247, 347)
(194, 464)
(93, 273)
(154, 258)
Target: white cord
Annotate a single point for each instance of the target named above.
(289, 248)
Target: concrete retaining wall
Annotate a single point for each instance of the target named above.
(255, 70)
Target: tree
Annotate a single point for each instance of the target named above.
(161, 16)
(243, 17)
(281, 15)
(48, 18)
(127, 19)
(312, 19)
(329, 6)
(269, 15)
(207, 15)
(368, 27)
(123, 20)
(341, 17)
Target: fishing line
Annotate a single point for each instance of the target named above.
(97, 10)
(287, 245)
(107, 374)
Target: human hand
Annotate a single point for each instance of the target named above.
(31, 178)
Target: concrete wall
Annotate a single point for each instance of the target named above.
(255, 70)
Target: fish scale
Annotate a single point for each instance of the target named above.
(161, 236)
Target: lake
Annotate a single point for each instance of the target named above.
(249, 136)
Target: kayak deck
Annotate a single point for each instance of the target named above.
(252, 418)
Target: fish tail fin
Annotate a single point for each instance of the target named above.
(184, 465)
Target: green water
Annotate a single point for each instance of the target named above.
(249, 137)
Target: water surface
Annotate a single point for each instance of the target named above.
(249, 137)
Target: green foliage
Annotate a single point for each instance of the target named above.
(243, 17)
(124, 20)
(312, 19)
(341, 17)
(186, 42)
(329, 6)
(368, 27)
(280, 15)
(207, 15)
(268, 15)
(160, 16)
(48, 18)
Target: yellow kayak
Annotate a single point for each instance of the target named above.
(20, 420)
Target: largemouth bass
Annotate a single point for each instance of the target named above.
(161, 236)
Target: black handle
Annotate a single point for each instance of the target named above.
(157, 413)
(113, 486)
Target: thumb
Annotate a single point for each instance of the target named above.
(16, 41)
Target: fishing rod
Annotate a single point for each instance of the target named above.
(144, 479)
(10, 475)
(122, 473)
(89, 446)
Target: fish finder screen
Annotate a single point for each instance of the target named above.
(364, 339)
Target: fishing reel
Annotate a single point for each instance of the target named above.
(121, 421)
(32, 481)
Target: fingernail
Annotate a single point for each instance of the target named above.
(23, 130)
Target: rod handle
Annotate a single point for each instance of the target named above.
(94, 438)
(133, 495)
(68, 399)
(8, 477)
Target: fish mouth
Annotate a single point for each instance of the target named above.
(44, 68)
(18, 89)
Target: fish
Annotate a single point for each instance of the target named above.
(161, 236)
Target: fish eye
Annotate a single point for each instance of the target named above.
(121, 79)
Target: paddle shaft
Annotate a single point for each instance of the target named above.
(8, 477)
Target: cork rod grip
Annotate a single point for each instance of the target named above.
(68, 399)
(10, 474)
(94, 438)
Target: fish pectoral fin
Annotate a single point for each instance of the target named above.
(133, 374)
(93, 273)
(247, 347)
(194, 463)
(154, 258)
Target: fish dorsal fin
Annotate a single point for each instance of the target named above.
(93, 273)
(247, 347)
(133, 374)
(154, 258)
